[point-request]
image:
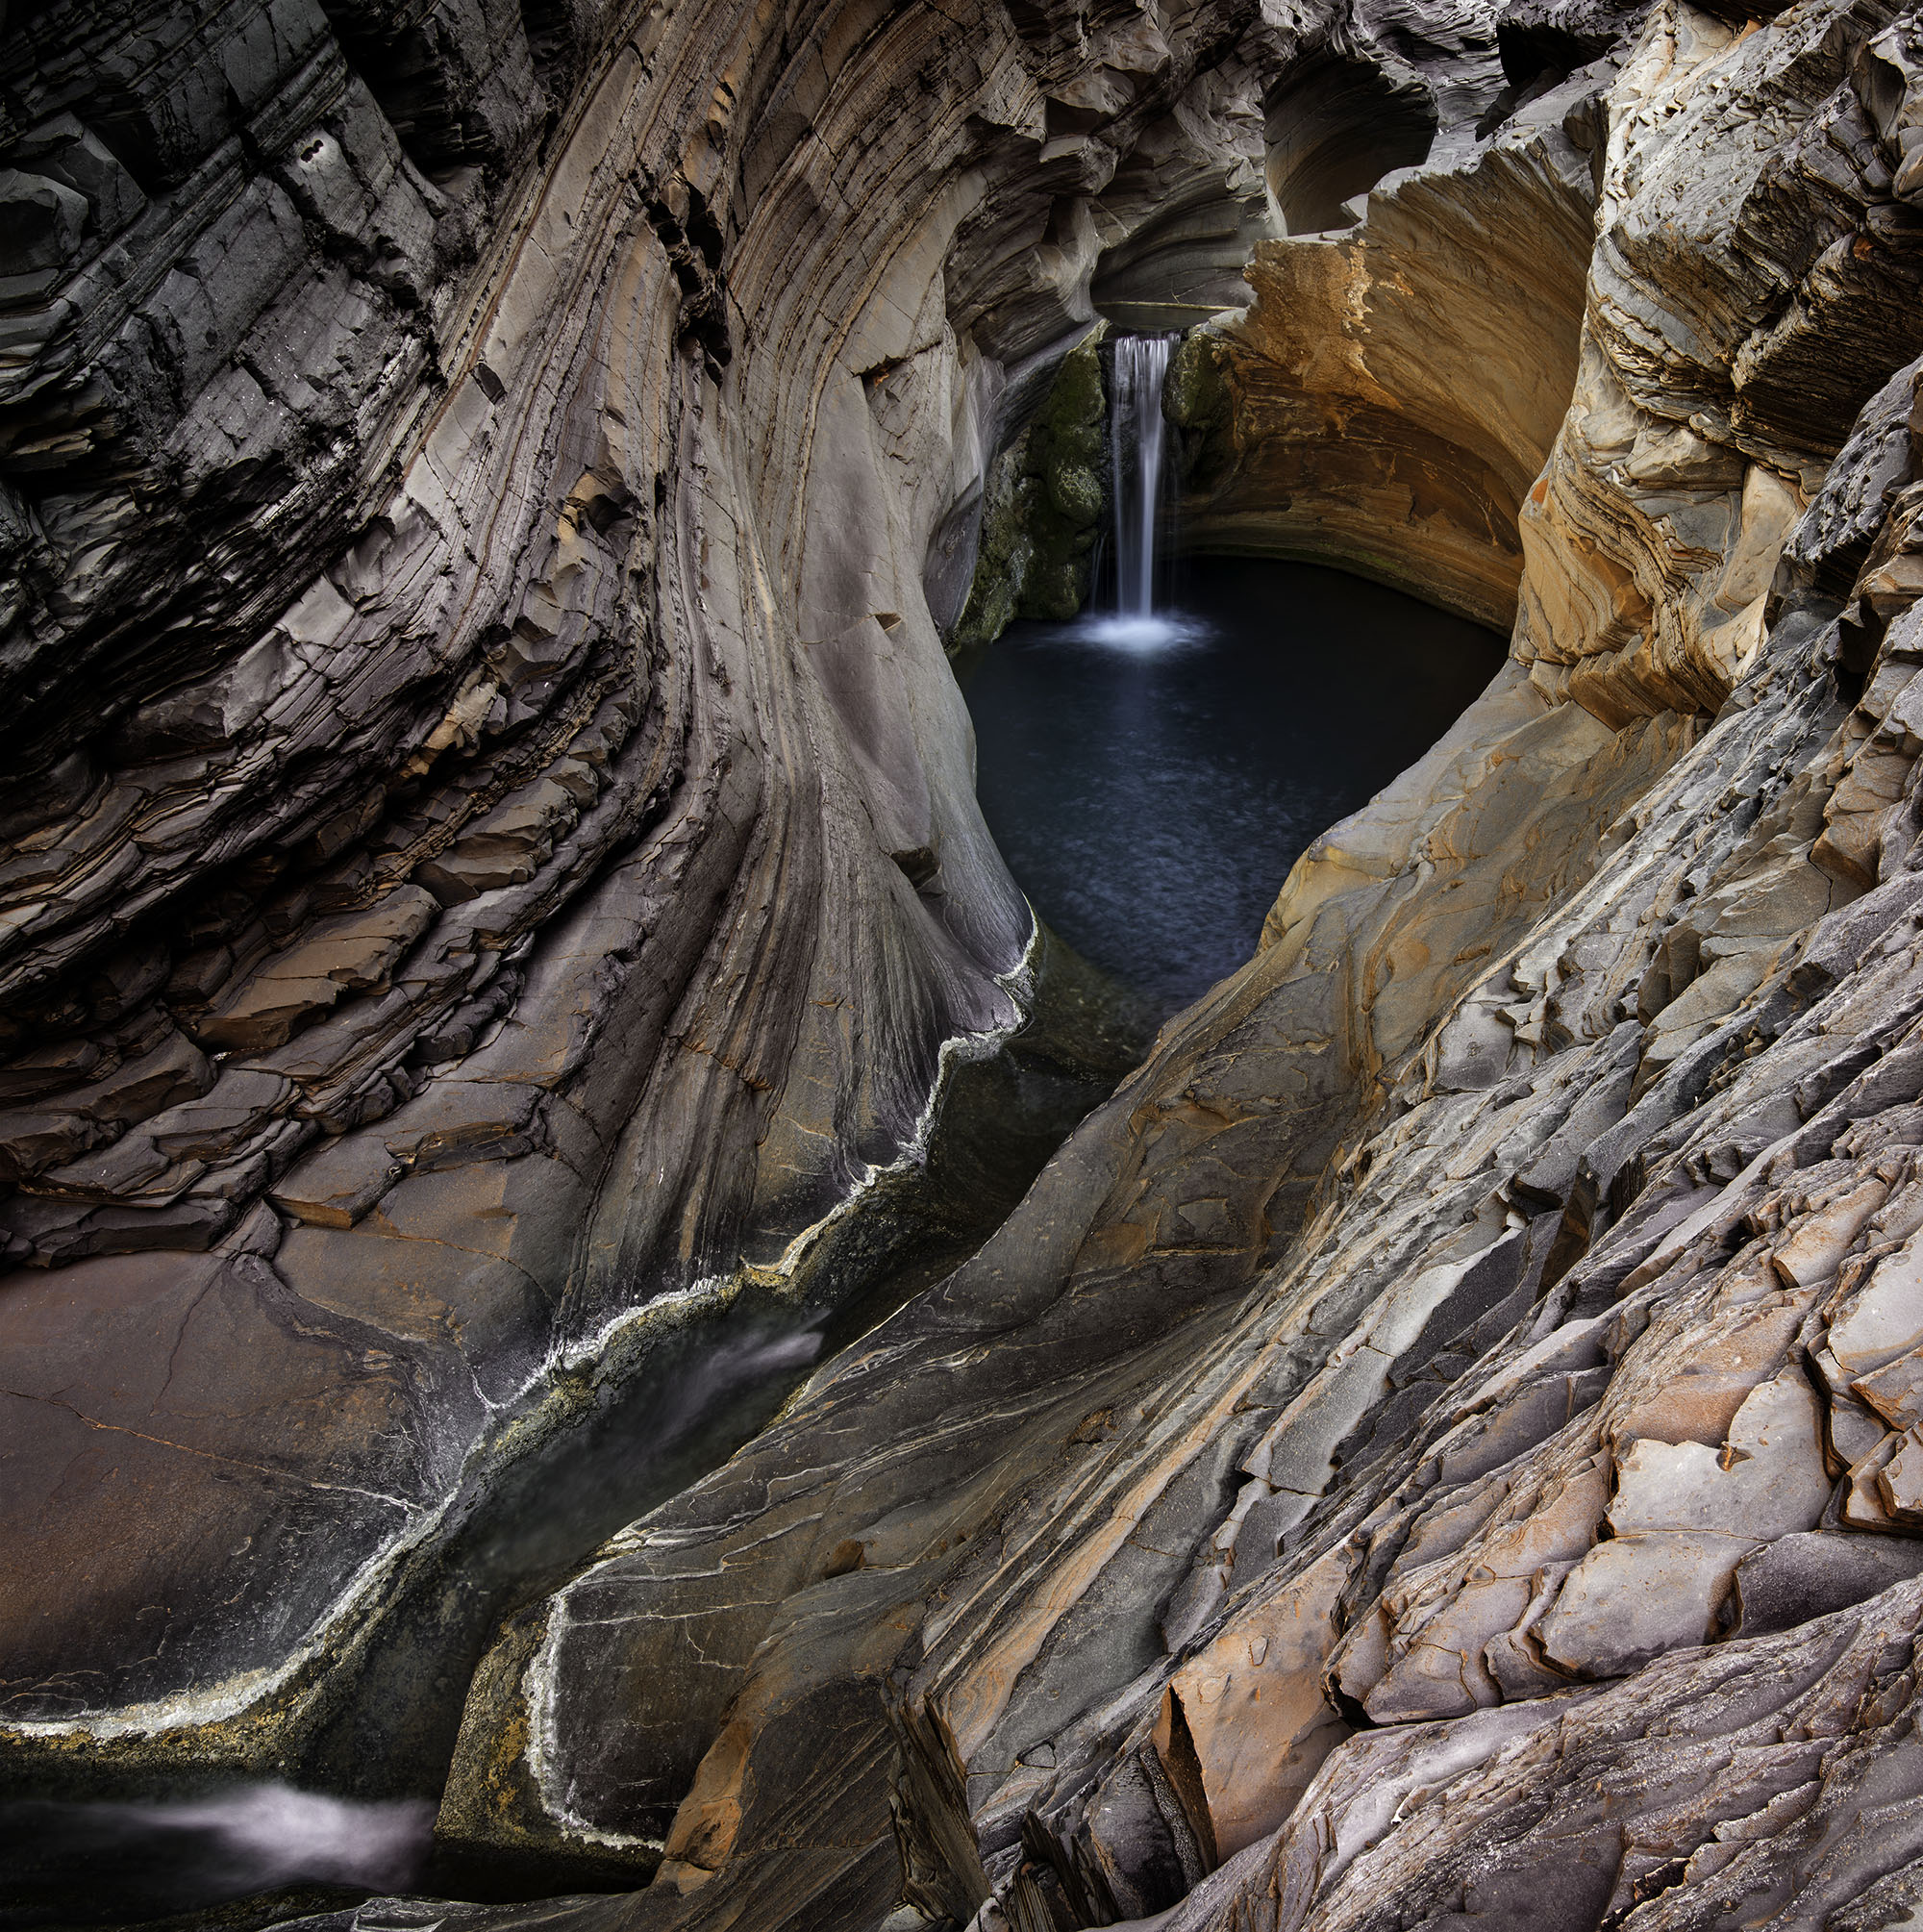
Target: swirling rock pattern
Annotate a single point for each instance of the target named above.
(1442, 1444)
(1420, 1453)
(1341, 419)
(491, 835)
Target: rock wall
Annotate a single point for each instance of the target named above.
(493, 854)
(1431, 1448)
(1437, 1445)
(1389, 399)
(1045, 498)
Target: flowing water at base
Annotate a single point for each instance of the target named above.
(143, 1862)
(1151, 777)
(356, 1811)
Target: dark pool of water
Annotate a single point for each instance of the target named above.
(1151, 798)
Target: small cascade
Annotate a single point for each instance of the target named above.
(1136, 442)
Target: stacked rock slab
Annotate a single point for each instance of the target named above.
(1442, 1443)
(1439, 1445)
(493, 861)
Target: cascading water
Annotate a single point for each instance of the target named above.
(1152, 770)
(1135, 443)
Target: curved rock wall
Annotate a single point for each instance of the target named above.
(1434, 1446)
(1387, 402)
(1701, 424)
(493, 844)
(1337, 124)
(1437, 1445)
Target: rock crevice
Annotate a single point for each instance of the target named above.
(494, 866)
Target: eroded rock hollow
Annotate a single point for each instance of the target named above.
(496, 925)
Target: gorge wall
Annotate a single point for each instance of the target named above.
(496, 865)
(493, 844)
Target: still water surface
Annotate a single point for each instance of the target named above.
(1151, 786)
(1150, 783)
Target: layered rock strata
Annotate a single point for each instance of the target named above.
(491, 845)
(1435, 1446)
(1391, 398)
(1440, 1444)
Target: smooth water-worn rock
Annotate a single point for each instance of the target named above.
(491, 855)
(1440, 1323)
(495, 854)
(1391, 398)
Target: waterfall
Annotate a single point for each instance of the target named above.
(1136, 429)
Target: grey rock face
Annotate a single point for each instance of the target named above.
(494, 858)
(490, 845)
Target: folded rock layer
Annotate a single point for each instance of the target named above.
(1442, 1443)
(492, 854)
(1419, 1389)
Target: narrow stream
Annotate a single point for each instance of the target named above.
(357, 1811)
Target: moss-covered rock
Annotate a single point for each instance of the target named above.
(1005, 551)
(1042, 503)
(1057, 586)
(1196, 401)
(1074, 493)
(1193, 393)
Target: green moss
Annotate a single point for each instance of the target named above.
(1077, 405)
(1194, 395)
(1005, 551)
(1042, 503)
(1075, 494)
(1197, 400)
(1057, 586)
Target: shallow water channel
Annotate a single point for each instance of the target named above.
(1150, 786)
(353, 1811)
(1150, 797)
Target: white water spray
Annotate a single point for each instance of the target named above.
(123, 1860)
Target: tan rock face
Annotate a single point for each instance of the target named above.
(1768, 1481)
(1439, 1443)
(1653, 534)
(1389, 398)
(1254, 1708)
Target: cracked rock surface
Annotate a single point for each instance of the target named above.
(1444, 1444)
(1437, 1446)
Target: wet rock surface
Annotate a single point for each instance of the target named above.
(1042, 503)
(490, 841)
(1442, 1443)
